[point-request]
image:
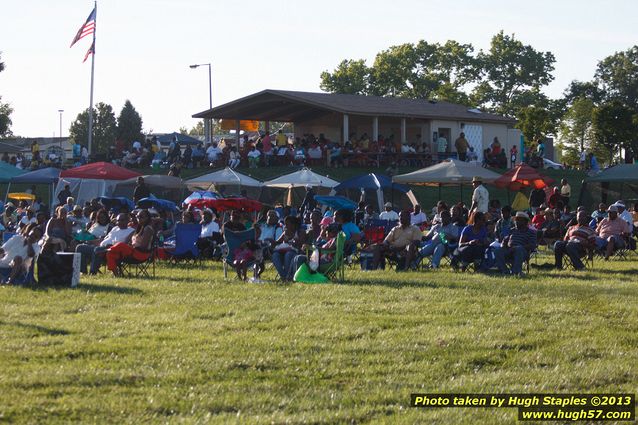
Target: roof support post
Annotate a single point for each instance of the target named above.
(346, 129)
(237, 128)
(375, 129)
(404, 136)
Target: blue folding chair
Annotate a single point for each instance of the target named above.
(186, 236)
(233, 240)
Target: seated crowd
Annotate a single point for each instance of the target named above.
(497, 238)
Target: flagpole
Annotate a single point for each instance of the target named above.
(90, 142)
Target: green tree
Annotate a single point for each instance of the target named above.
(129, 125)
(618, 76)
(576, 126)
(104, 128)
(5, 113)
(419, 71)
(616, 126)
(535, 123)
(509, 71)
(350, 77)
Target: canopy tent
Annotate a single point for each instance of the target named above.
(336, 202)
(47, 175)
(523, 176)
(294, 183)
(619, 182)
(183, 139)
(7, 172)
(161, 186)
(227, 181)
(376, 188)
(93, 180)
(302, 178)
(449, 172)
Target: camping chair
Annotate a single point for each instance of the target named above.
(233, 240)
(587, 259)
(130, 267)
(335, 270)
(186, 236)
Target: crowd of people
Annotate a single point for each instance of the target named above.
(484, 235)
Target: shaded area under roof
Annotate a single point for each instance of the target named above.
(294, 106)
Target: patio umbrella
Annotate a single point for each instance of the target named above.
(228, 204)
(20, 196)
(158, 204)
(201, 194)
(523, 176)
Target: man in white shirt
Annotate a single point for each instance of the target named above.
(625, 215)
(137, 146)
(480, 197)
(120, 233)
(213, 152)
(418, 217)
(389, 214)
(20, 246)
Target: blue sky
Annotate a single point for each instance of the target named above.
(144, 47)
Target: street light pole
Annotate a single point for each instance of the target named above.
(60, 111)
(207, 122)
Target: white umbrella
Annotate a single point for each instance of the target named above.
(225, 177)
(301, 178)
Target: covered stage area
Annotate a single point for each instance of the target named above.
(339, 117)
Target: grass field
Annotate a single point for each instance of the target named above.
(190, 347)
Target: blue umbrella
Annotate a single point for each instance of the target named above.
(336, 202)
(158, 204)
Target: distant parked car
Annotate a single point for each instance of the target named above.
(547, 164)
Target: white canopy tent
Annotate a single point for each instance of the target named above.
(226, 181)
(300, 179)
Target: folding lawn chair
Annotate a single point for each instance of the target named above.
(335, 270)
(130, 267)
(186, 236)
(233, 240)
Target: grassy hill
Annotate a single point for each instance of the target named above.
(190, 347)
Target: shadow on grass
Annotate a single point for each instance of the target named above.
(111, 289)
(628, 272)
(40, 329)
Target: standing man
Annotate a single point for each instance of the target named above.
(282, 140)
(441, 147)
(141, 190)
(480, 197)
(536, 199)
(565, 191)
(64, 194)
(461, 144)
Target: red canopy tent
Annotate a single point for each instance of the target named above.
(93, 180)
(100, 170)
(523, 176)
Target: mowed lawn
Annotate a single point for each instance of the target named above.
(190, 347)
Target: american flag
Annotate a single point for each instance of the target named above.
(91, 51)
(86, 29)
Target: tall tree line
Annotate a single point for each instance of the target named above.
(599, 116)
